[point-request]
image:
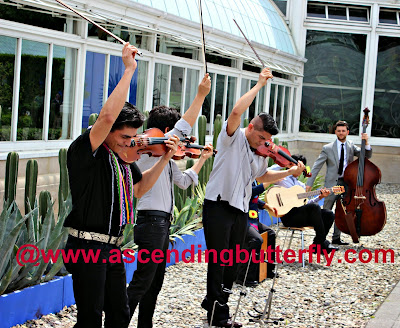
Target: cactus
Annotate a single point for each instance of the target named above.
(11, 178)
(189, 163)
(146, 115)
(245, 122)
(202, 124)
(45, 234)
(205, 171)
(92, 118)
(217, 129)
(63, 188)
(30, 184)
(44, 199)
(190, 190)
(285, 144)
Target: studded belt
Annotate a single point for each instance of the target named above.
(96, 237)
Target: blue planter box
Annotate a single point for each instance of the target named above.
(51, 297)
(195, 242)
(31, 302)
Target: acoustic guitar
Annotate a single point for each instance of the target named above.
(284, 199)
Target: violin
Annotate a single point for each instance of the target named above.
(152, 142)
(191, 150)
(279, 154)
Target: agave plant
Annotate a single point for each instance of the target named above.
(128, 242)
(11, 223)
(186, 220)
(201, 192)
(42, 232)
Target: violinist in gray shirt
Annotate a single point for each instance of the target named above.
(228, 194)
(155, 207)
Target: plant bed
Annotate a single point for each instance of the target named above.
(51, 297)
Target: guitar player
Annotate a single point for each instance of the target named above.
(309, 214)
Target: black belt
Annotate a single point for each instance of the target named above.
(160, 214)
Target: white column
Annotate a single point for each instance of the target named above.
(15, 101)
(371, 58)
(47, 94)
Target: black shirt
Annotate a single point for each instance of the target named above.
(90, 178)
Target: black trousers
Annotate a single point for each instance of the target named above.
(224, 228)
(98, 286)
(150, 233)
(310, 215)
(255, 241)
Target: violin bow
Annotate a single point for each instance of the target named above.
(95, 24)
(251, 46)
(203, 48)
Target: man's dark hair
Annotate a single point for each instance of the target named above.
(340, 123)
(162, 117)
(266, 123)
(128, 117)
(300, 158)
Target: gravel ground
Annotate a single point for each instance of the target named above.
(339, 295)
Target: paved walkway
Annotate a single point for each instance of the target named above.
(388, 314)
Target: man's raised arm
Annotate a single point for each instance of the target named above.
(245, 101)
(191, 114)
(116, 101)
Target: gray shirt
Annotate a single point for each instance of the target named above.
(160, 196)
(235, 168)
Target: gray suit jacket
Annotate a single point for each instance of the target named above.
(329, 155)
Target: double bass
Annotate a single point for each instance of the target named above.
(359, 212)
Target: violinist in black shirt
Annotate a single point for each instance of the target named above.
(102, 188)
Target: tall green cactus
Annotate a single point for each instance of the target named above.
(217, 129)
(146, 115)
(245, 122)
(63, 188)
(285, 144)
(202, 125)
(30, 184)
(189, 163)
(190, 190)
(11, 178)
(92, 118)
(44, 199)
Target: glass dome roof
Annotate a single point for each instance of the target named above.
(259, 19)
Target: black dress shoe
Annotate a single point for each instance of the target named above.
(327, 246)
(228, 323)
(248, 283)
(272, 275)
(253, 283)
(205, 304)
(338, 242)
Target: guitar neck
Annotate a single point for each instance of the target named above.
(311, 193)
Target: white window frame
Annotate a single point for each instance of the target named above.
(38, 34)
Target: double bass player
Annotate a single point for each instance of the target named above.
(337, 155)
